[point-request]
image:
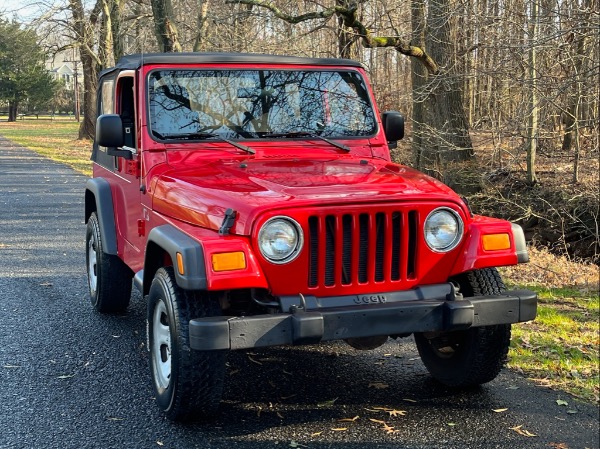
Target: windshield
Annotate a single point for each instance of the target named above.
(246, 104)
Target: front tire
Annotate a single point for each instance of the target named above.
(187, 383)
(473, 356)
(109, 279)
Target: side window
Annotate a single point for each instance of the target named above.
(106, 105)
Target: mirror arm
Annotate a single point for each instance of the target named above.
(124, 152)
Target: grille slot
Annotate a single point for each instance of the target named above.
(330, 235)
(360, 248)
(313, 251)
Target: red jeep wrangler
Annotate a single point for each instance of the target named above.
(252, 200)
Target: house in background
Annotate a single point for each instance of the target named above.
(65, 73)
(63, 66)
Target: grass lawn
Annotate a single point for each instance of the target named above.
(560, 349)
(55, 139)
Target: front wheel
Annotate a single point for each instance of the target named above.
(187, 383)
(473, 356)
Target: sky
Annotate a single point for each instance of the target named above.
(19, 9)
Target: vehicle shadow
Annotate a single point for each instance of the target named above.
(330, 384)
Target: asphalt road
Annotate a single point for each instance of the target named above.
(71, 378)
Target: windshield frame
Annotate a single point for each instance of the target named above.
(258, 68)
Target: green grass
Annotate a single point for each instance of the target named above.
(55, 139)
(560, 349)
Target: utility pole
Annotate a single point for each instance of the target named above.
(75, 86)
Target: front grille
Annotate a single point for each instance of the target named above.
(361, 248)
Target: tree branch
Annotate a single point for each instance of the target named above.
(350, 20)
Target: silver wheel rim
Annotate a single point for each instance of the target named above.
(92, 265)
(161, 346)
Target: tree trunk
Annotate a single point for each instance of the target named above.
(346, 40)
(449, 140)
(87, 128)
(107, 39)
(199, 43)
(13, 110)
(83, 27)
(418, 78)
(164, 26)
(533, 125)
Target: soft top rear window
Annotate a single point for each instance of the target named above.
(250, 104)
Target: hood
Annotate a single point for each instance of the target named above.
(200, 195)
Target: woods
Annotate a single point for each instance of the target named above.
(516, 70)
(517, 78)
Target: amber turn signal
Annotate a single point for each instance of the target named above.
(180, 267)
(229, 261)
(495, 242)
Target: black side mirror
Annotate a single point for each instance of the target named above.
(109, 131)
(393, 126)
(109, 134)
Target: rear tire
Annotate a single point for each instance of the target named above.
(473, 356)
(109, 279)
(187, 383)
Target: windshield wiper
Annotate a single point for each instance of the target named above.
(202, 136)
(293, 134)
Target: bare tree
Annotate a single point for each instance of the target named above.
(165, 26)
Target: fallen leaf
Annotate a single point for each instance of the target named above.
(327, 403)
(316, 434)
(254, 361)
(409, 400)
(562, 402)
(349, 419)
(391, 411)
(520, 431)
(389, 429)
(339, 429)
(377, 420)
(500, 410)
(558, 445)
(451, 424)
(378, 385)
(296, 444)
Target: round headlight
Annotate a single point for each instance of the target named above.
(443, 230)
(280, 239)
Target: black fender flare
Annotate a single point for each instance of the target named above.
(171, 240)
(98, 198)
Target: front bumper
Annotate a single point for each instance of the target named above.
(433, 308)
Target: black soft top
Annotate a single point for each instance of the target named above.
(135, 61)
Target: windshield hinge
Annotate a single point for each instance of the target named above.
(228, 221)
